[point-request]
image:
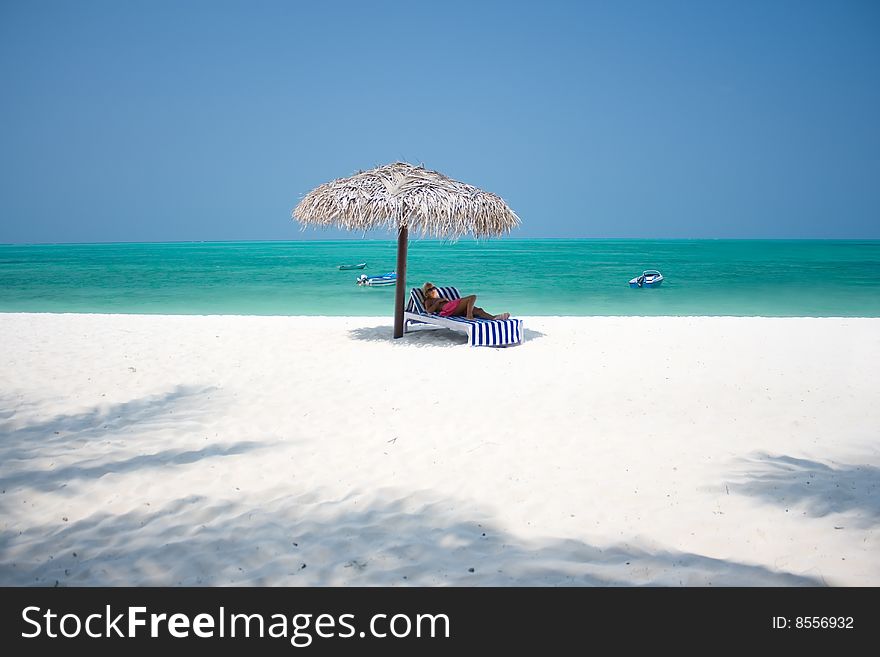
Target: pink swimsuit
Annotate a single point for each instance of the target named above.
(449, 307)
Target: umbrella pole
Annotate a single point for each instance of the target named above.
(400, 291)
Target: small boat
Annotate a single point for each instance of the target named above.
(649, 278)
(377, 281)
(360, 265)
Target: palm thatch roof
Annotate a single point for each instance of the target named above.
(402, 195)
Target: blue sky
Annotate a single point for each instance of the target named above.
(190, 120)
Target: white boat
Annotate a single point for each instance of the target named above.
(649, 278)
(378, 281)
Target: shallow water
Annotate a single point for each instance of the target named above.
(814, 278)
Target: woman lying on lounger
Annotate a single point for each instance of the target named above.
(463, 307)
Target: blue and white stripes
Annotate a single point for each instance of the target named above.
(417, 298)
(481, 332)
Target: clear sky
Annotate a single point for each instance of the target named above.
(151, 120)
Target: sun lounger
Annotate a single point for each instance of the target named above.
(480, 332)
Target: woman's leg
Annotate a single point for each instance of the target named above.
(466, 306)
(479, 312)
(467, 309)
(482, 314)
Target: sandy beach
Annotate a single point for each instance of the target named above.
(234, 450)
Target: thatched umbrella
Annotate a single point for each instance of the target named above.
(403, 197)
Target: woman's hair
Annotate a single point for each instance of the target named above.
(426, 286)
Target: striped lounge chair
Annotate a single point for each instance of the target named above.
(480, 332)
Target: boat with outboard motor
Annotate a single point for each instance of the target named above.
(377, 281)
(649, 278)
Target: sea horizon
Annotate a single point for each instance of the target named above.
(461, 239)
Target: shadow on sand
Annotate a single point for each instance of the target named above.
(367, 538)
(374, 538)
(821, 489)
(24, 438)
(424, 336)
(53, 453)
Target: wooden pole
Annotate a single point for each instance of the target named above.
(400, 292)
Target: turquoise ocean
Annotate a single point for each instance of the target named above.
(778, 278)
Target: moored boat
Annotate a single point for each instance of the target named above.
(648, 278)
(377, 281)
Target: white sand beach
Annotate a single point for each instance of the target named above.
(222, 450)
